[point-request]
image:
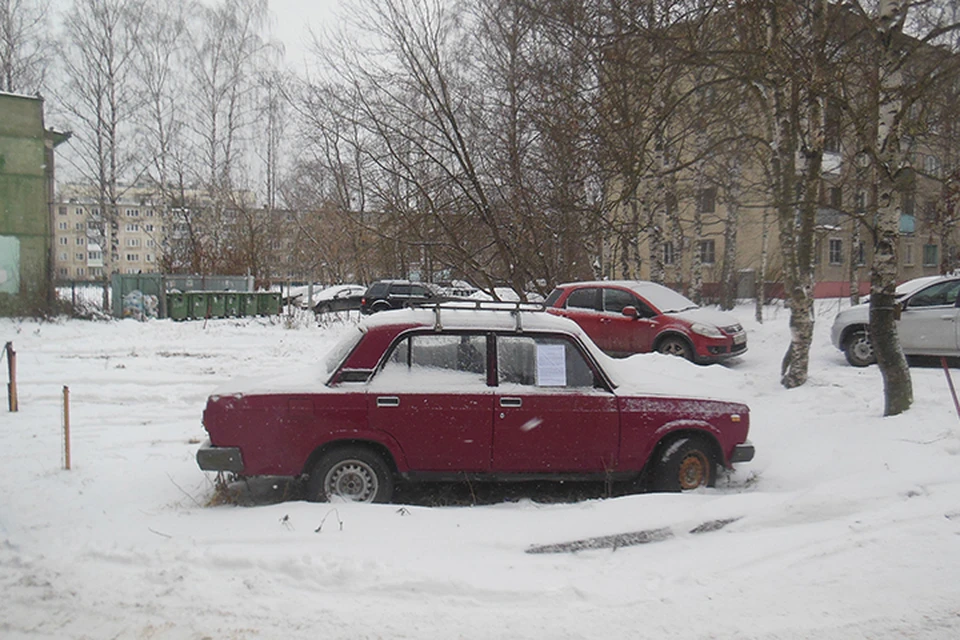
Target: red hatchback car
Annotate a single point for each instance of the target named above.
(448, 394)
(634, 316)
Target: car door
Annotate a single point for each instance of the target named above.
(432, 397)
(626, 334)
(929, 322)
(552, 414)
(583, 306)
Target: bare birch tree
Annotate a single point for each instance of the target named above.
(25, 45)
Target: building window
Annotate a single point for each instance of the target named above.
(63, 271)
(151, 243)
(133, 213)
(96, 271)
(64, 240)
(81, 242)
(861, 201)
(79, 256)
(909, 202)
(95, 213)
(836, 197)
(63, 256)
(931, 256)
(79, 226)
(133, 242)
(707, 252)
(836, 251)
(80, 271)
(62, 211)
(148, 213)
(708, 200)
(95, 255)
(149, 257)
(861, 254)
(148, 227)
(62, 226)
(133, 227)
(669, 256)
(78, 211)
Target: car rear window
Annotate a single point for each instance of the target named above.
(553, 297)
(342, 349)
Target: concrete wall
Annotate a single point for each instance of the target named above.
(24, 196)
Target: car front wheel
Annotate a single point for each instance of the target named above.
(350, 474)
(685, 464)
(675, 346)
(858, 350)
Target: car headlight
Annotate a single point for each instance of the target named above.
(706, 330)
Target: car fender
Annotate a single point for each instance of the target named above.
(359, 436)
(700, 427)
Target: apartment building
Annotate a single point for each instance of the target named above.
(83, 235)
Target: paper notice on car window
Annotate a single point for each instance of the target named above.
(551, 365)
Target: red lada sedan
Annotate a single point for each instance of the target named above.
(634, 316)
(448, 394)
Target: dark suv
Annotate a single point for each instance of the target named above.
(397, 294)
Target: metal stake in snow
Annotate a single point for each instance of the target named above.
(953, 392)
(12, 376)
(66, 428)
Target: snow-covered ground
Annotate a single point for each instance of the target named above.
(848, 523)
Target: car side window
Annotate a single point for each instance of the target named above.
(939, 295)
(438, 361)
(583, 299)
(400, 290)
(420, 292)
(537, 361)
(614, 300)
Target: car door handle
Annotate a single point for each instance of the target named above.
(388, 401)
(511, 402)
(947, 317)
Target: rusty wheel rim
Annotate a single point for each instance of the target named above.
(693, 471)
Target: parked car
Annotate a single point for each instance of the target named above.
(341, 297)
(384, 295)
(453, 393)
(634, 316)
(929, 322)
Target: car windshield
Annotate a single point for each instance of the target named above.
(342, 349)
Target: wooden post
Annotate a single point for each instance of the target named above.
(66, 427)
(953, 392)
(12, 377)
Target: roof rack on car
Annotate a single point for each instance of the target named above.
(515, 308)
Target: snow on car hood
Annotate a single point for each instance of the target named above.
(656, 374)
(707, 316)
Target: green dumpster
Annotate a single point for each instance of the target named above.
(177, 306)
(216, 304)
(248, 304)
(269, 303)
(231, 304)
(197, 303)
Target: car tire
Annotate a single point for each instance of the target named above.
(350, 474)
(675, 346)
(380, 305)
(858, 350)
(684, 464)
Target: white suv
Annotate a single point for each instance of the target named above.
(929, 323)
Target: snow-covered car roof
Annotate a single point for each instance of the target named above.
(663, 298)
(331, 292)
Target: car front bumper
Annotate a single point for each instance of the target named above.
(742, 453)
(211, 458)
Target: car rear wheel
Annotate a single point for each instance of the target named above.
(380, 305)
(685, 464)
(350, 474)
(675, 346)
(858, 350)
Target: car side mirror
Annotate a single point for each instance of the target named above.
(630, 312)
